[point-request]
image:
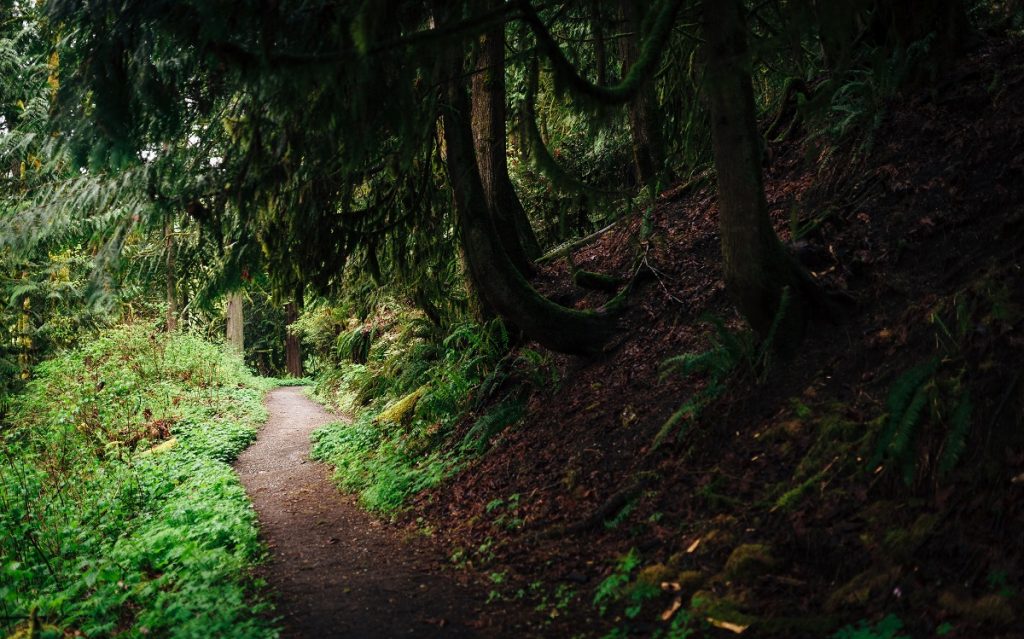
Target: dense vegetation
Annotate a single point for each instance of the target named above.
(120, 514)
(671, 318)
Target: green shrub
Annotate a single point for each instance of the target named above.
(386, 462)
(103, 534)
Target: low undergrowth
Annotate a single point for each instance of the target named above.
(119, 512)
(408, 389)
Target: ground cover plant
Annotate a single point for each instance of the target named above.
(654, 318)
(405, 398)
(119, 511)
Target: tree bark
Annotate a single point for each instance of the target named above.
(489, 137)
(236, 323)
(838, 27)
(757, 267)
(172, 293)
(904, 22)
(648, 152)
(501, 285)
(600, 49)
(292, 346)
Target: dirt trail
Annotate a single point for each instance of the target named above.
(337, 571)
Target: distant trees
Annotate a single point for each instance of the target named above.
(644, 116)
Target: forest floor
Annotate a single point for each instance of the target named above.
(337, 571)
(878, 472)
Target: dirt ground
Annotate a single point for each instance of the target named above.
(335, 570)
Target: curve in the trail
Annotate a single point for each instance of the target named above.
(335, 570)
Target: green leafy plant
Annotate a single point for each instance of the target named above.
(435, 385)
(729, 352)
(612, 587)
(886, 628)
(119, 511)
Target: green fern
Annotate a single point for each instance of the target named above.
(887, 628)
(903, 394)
(902, 447)
(762, 361)
(505, 414)
(956, 439)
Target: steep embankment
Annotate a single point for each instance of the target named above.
(876, 472)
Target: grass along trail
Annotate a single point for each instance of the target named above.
(336, 570)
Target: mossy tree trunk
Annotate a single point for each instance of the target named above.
(236, 322)
(757, 267)
(499, 283)
(904, 22)
(839, 24)
(600, 48)
(292, 345)
(489, 137)
(644, 129)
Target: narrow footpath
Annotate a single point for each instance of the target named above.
(336, 571)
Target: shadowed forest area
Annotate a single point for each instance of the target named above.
(597, 318)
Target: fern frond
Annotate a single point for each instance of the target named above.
(901, 396)
(903, 439)
(956, 439)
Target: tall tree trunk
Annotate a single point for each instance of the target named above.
(600, 49)
(757, 267)
(839, 25)
(488, 118)
(501, 285)
(292, 345)
(172, 293)
(236, 323)
(644, 129)
(904, 22)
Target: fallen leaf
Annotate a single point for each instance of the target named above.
(693, 546)
(727, 625)
(677, 603)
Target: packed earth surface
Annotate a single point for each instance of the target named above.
(336, 571)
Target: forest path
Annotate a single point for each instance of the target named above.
(337, 571)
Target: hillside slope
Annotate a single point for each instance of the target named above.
(877, 472)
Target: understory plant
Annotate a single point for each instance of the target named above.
(119, 512)
(407, 397)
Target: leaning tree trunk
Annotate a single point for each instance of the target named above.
(757, 267)
(648, 148)
(236, 324)
(292, 345)
(500, 284)
(172, 293)
(488, 118)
